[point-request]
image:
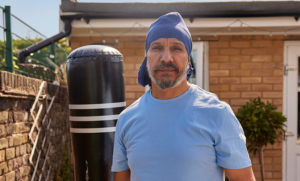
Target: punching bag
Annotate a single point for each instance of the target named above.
(96, 98)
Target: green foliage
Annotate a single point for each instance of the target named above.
(261, 123)
(65, 167)
(42, 57)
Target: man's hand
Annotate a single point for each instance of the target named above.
(244, 174)
(122, 176)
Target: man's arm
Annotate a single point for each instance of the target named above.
(244, 174)
(122, 176)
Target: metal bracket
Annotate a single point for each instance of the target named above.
(289, 68)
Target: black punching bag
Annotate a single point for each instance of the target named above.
(96, 98)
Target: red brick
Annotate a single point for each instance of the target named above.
(273, 51)
(213, 66)
(129, 102)
(251, 94)
(229, 65)
(130, 73)
(130, 95)
(137, 66)
(272, 153)
(218, 73)
(129, 81)
(262, 72)
(261, 58)
(230, 51)
(251, 79)
(252, 51)
(277, 146)
(229, 94)
(238, 102)
(278, 72)
(139, 38)
(278, 87)
(272, 80)
(251, 65)
(134, 88)
(240, 44)
(277, 102)
(277, 175)
(140, 52)
(274, 37)
(213, 80)
(278, 43)
(278, 58)
(262, 87)
(240, 58)
(219, 44)
(239, 73)
(219, 58)
(229, 80)
(235, 108)
(268, 175)
(219, 87)
(133, 59)
(240, 87)
(134, 44)
(272, 94)
(261, 43)
(277, 160)
(213, 51)
(273, 65)
(267, 100)
(75, 45)
(138, 95)
(127, 52)
(128, 66)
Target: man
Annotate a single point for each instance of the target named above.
(177, 131)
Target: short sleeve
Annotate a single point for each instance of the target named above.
(119, 155)
(230, 141)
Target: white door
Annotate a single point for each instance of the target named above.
(199, 57)
(291, 148)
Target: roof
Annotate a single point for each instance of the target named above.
(77, 10)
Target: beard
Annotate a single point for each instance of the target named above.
(165, 82)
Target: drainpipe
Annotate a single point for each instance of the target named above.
(34, 48)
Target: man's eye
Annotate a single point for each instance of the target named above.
(177, 48)
(156, 48)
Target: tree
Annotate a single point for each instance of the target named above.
(262, 125)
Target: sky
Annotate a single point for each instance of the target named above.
(43, 15)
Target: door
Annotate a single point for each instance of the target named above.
(291, 148)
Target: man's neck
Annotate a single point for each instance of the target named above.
(170, 93)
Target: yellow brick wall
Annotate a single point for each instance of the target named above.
(240, 67)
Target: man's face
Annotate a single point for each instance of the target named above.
(167, 62)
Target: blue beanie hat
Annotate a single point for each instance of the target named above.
(170, 25)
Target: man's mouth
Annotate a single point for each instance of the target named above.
(166, 70)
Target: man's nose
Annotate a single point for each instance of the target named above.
(166, 55)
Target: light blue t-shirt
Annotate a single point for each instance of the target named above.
(187, 138)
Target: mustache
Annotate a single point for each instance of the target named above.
(163, 64)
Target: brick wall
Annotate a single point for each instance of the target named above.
(17, 94)
(241, 68)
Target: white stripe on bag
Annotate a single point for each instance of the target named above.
(92, 130)
(94, 118)
(97, 106)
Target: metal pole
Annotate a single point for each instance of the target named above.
(9, 48)
(52, 52)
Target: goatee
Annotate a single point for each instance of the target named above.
(166, 83)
